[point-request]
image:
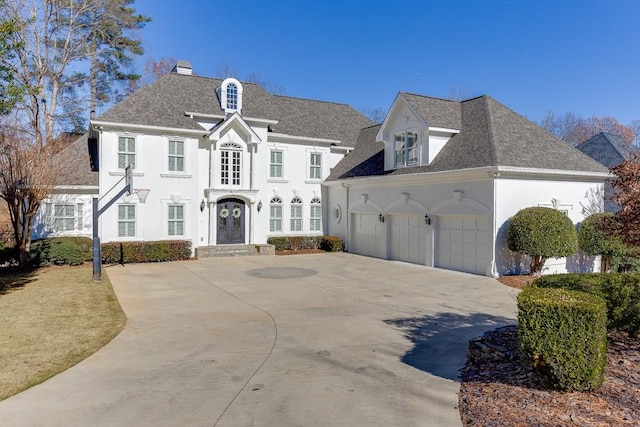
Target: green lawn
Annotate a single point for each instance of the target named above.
(51, 319)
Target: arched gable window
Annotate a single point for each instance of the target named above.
(296, 214)
(275, 215)
(230, 92)
(315, 215)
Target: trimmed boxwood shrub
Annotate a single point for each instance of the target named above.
(60, 250)
(295, 243)
(541, 233)
(563, 335)
(597, 235)
(332, 244)
(621, 293)
(154, 251)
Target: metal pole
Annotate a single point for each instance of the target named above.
(97, 256)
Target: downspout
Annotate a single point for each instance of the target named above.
(252, 217)
(494, 183)
(348, 215)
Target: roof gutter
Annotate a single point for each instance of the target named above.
(293, 138)
(99, 125)
(552, 172)
(491, 172)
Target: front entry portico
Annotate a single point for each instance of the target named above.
(230, 220)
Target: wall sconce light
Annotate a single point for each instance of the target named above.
(427, 220)
(259, 205)
(381, 218)
(202, 205)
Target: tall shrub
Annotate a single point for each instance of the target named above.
(541, 233)
(598, 235)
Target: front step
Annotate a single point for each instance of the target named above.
(234, 250)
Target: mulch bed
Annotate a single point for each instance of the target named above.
(507, 393)
(300, 251)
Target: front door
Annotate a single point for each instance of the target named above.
(230, 221)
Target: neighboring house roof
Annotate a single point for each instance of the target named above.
(76, 169)
(490, 135)
(164, 102)
(606, 148)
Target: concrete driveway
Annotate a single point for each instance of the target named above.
(304, 340)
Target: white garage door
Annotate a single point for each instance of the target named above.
(368, 235)
(408, 238)
(463, 243)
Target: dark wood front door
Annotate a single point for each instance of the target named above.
(230, 221)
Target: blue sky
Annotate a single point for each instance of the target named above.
(531, 55)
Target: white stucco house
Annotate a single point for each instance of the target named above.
(227, 163)
(436, 183)
(224, 163)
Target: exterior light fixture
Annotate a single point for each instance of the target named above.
(427, 220)
(202, 205)
(381, 218)
(259, 205)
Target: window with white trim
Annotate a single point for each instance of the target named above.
(230, 93)
(230, 162)
(315, 215)
(126, 220)
(126, 152)
(275, 164)
(176, 220)
(67, 217)
(275, 215)
(296, 214)
(406, 149)
(176, 156)
(232, 96)
(315, 166)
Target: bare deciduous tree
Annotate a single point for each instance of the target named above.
(574, 129)
(28, 173)
(376, 115)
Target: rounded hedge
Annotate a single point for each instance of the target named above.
(597, 235)
(543, 233)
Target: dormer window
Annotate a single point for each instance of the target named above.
(230, 93)
(406, 149)
(232, 96)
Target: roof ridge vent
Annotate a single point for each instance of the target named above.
(183, 67)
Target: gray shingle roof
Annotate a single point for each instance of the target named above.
(439, 112)
(606, 148)
(164, 103)
(364, 160)
(490, 135)
(76, 169)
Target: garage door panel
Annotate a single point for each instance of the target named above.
(469, 250)
(456, 249)
(368, 236)
(463, 243)
(408, 238)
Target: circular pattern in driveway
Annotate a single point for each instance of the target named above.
(281, 273)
